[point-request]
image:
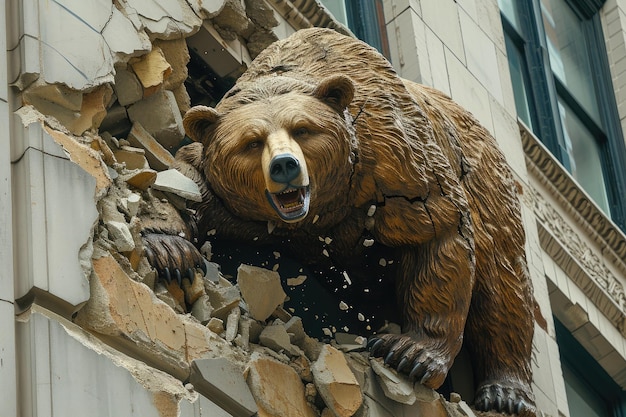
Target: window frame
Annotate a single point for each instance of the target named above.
(575, 357)
(544, 89)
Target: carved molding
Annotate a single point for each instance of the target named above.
(584, 265)
(303, 14)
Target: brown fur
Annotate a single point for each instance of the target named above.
(444, 196)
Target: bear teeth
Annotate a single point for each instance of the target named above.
(291, 204)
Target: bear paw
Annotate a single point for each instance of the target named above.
(505, 397)
(172, 256)
(422, 360)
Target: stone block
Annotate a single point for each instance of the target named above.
(176, 54)
(480, 55)
(223, 298)
(277, 389)
(223, 382)
(142, 179)
(261, 290)
(54, 202)
(232, 20)
(72, 50)
(174, 182)
(276, 338)
(123, 38)
(152, 69)
(132, 158)
(130, 312)
(165, 19)
(160, 116)
(128, 88)
(336, 383)
(78, 112)
(261, 14)
(116, 122)
(77, 374)
(396, 387)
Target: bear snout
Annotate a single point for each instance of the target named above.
(284, 168)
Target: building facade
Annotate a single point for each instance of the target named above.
(87, 87)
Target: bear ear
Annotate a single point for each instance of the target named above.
(337, 91)
(199, 122)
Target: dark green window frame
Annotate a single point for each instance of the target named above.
(542, 90)
(577, 363)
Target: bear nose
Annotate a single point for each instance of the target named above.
(284, 168)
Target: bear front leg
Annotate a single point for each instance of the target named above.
(433, 291)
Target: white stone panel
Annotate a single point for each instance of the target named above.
(437, 62)
(122, 37)
(480, 54)
(65, 371)
(393, 8)
(167, 18)
(8, 371)
(72, 51)
(506, 132)
(443, 19)
(94, 13)
(468, 92)
(55, 211)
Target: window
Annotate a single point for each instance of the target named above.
(563, 92)
(590, 390)
(364, 18)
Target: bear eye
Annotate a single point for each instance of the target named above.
(255, 144)
(300, 131)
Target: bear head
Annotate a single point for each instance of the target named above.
(279, 149)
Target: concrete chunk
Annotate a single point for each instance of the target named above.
(277, 389)
(396, 386)
(151, 69)
(261, 290)
(127, 87)
(160, 116)
(336, 383)
(276, 338)
(174, 182)
(223, 382)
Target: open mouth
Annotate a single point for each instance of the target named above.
(291, 204)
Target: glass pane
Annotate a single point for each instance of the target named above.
(338, 9)
(569, 58)
(581, 399)
(584, 155)
(517, 68)
(509, 9)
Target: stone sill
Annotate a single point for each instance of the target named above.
(560, 238)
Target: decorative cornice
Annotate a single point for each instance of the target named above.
(575, 200)
(583, 264)
(303, 14)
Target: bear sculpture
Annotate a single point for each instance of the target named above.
(320, 137)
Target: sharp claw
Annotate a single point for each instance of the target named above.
(167, 275)
(425, 377)
(416, 369)
(403, 362)
(498, 403)
(509, 406)
(191, 274)
(389, 357)
(179, 278)
(375, 345)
